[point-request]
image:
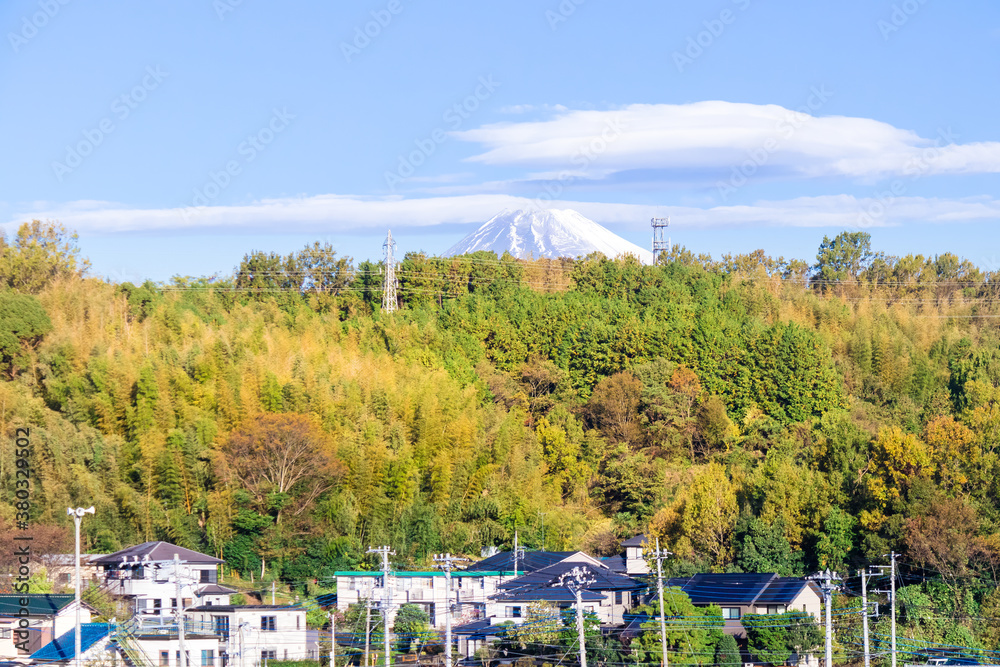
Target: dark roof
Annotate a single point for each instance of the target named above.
(215, 589)
(38, 604)
(157, 551)
(62, 648)
(529, 561)
(479, 629)
(637, 541)
(543, 584)
(739, 589)
(244, 607)
(615, 564)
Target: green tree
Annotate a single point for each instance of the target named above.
(727, 652)
(774, 638)
(23, 324)
(41, 253)
(843, 257)
(412, 628)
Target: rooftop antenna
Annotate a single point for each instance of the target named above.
(389, 286)
(659, 245)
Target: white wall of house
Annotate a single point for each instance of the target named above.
(280, 631)
(152, 585)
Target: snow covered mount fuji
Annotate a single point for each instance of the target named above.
(551, 233)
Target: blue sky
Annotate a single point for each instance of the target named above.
(177, 136)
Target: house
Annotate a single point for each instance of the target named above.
(426, 589)
(741, 594)
(608, 595)
(95, 647)
(48, 616)
(61, 569)
(631, 563)
(145, 573)
(249, 635)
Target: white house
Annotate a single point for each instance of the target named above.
(249, 635)
(48, 616)
(145, 573)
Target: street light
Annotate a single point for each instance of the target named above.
(77, 515)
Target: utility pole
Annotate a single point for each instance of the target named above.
(576, 580)
(77, 515)
(333, 637)
(180, 609)
(445, 561)
(518, 554)
(864, 616)
(826, 583)
(660, 556)
(368, 630)
(272, 593)
(892, 602)
(385, 552)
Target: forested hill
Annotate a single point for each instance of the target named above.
(753, 413)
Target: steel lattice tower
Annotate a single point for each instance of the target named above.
(389, 287)
(659, 245)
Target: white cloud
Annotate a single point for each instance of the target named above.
(715, 135)
(345, 213)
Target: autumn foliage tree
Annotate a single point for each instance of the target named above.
(285, 461)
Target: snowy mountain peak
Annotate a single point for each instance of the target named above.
(546, 233)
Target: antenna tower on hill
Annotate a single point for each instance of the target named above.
(659, 245)
(389, 287)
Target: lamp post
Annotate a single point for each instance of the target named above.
(77, 515)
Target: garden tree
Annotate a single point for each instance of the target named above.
(727, 652)
(693, 633)
(842, 258)
(539, 631)
(283, 461)
(775, 638)
(614, 406)
(39, 254)
(412, 629)
(23, 323)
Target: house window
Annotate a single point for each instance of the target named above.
(618, 597)
(204, 576)
(775, 609)
(221, 627)
(208, 658)
(266, 655)
(268, 623)
(139, 573)
(164, 658)
(514, 612)
(731, 613)
(64, 578)
(157, 605)
(482, 583)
